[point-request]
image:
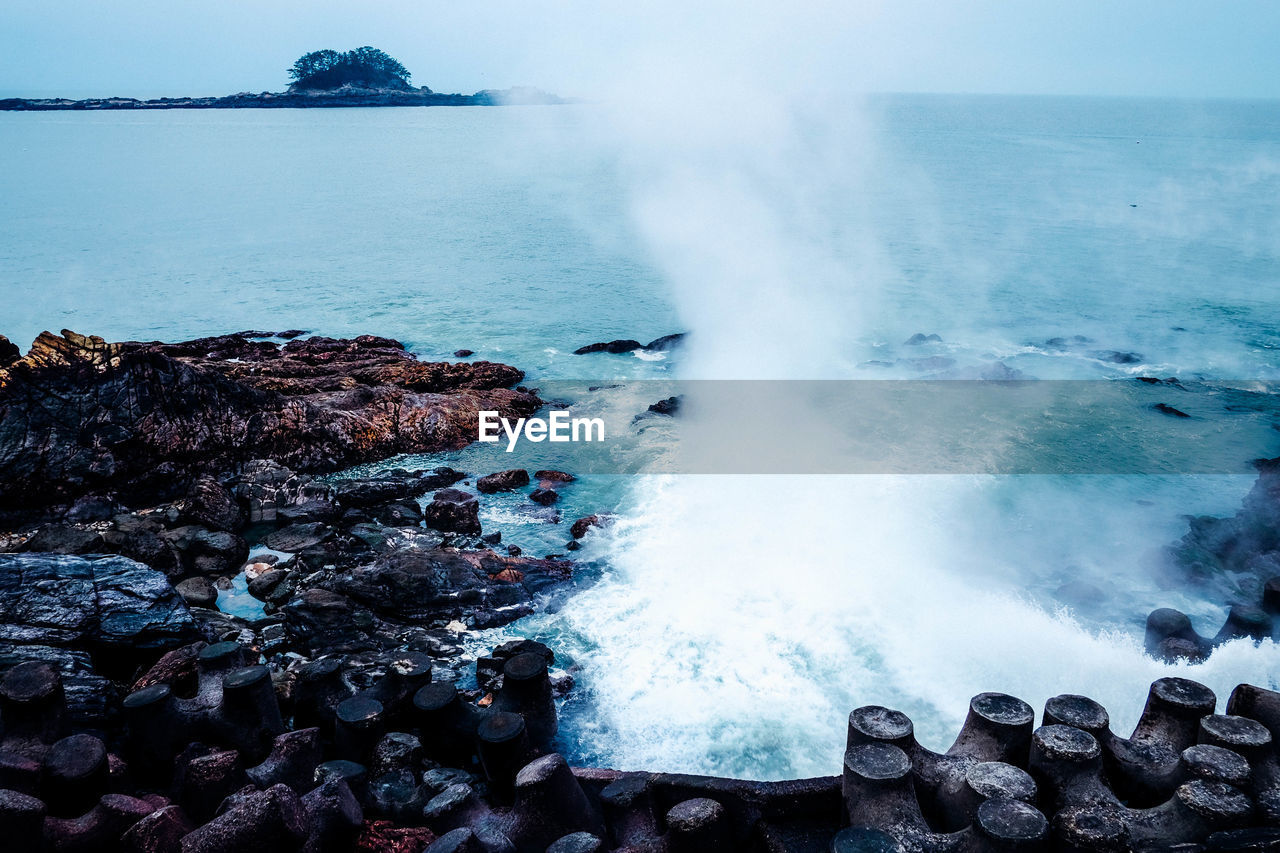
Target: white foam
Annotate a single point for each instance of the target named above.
(744, 617)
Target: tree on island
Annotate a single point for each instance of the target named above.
(363, 67)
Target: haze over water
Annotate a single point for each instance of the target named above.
(735, 620)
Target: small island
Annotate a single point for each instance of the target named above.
(361, 77)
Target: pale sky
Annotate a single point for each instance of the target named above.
(146, 48)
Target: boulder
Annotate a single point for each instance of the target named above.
(399, 514)
(443, 584)
(267, 487)
(453, 511)
(307, 511)
(625, 345)
(198, 592)
(546, 497)
(299, 537)
(615, 347)
(393, 485)
(669, 406)
(270, 821)
(216, 552)
(145, 546)
(90, 508)
(666, 342)
(1116, 357)
(503, 481)
(212, 505)
(106, 602)
(273, 586)
(65, 539)
(580, 527)
(321, 620)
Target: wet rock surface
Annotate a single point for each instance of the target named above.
(136, 716)
(351, 716)
(94, 603)
(1243, 549)
(626, 345)
(143, 421)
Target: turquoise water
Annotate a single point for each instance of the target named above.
(490, 230)
(731, 622)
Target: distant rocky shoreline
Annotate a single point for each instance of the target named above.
(344, 97)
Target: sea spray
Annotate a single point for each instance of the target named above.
(740, 618)
(743, 618)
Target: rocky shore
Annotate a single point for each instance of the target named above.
(344, 97)
(140, 479)
(1244, 549)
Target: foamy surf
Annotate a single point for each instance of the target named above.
(744, 617)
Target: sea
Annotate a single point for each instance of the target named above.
(729, 620)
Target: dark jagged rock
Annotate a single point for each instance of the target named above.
(393, 485)
(441, 585)
(502, 481)
(78, 413)
(580, 527)
(274, 585)
(91, 508)
(554, 477)
(1166, 409)
(545, 497)
(453, 511)
(666, 342)
(322, 620)
(1170, 636)
(921, 338)
(9, 352)
(198, 592)
(65, 539)
(212, 552)
(1170, 381)
(1244, 550)
(267, 821)
(615, 347)
(669, 406)
(212, 505)
(267, 488)
(625, 345)
(299, 537)
(100, 602)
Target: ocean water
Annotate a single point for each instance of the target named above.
(728, 623)
(489, 229)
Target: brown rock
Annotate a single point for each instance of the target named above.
(582, 525)
(546, 497)
(453, 511)
(78, 414)
(9, 353)
(503, 481)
